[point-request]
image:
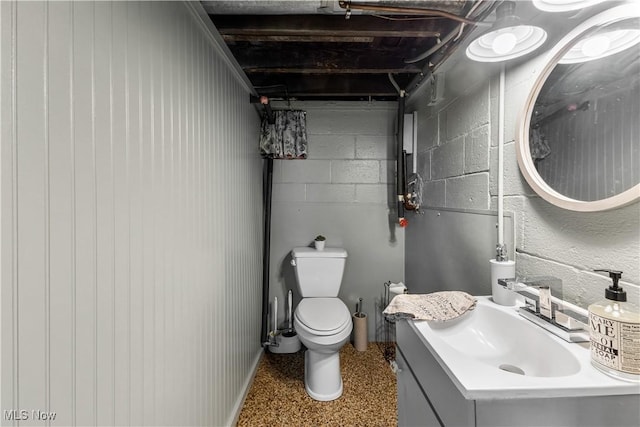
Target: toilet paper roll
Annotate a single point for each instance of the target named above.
(502, 270)
(397, 289)
(360, 339)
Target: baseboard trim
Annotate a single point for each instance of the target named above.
(233, 420)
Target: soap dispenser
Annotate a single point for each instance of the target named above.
(615, 332)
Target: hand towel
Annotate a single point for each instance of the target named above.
(437, 306)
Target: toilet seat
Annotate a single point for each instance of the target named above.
(323, 316)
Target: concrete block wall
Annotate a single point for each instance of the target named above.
(458, 158)
(343, 190)
(350, 156)
(453, 152)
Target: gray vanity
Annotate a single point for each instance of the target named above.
(462, 373)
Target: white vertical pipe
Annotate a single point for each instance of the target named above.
(275, 315)
(290, 305)
(500, 171)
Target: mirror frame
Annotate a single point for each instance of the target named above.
(525, 162)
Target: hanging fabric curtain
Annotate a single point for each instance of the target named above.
(286, 138)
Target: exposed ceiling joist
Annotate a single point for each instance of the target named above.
(289, 49)
(281, 38)
(328, 86)
(322, 25)
(334, 71)
(322, 57)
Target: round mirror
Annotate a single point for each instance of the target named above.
(579, 134)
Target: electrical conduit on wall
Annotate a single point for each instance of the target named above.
(501, 267)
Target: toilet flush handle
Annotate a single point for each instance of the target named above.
(293, 262)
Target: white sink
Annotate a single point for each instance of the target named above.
(497, 339)
(492, 352)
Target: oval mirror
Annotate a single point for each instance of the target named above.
(579, 134)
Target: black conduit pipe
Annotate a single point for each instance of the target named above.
(400, 161)
(268, 111)
(267, 181)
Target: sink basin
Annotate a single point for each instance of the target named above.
(501, 341)
(492, 352)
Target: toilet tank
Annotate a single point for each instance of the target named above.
(319, 273)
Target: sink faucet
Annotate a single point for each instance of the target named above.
(540, 308)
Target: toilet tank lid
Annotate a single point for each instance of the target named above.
(305, 252)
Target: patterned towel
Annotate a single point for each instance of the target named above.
(438, 306)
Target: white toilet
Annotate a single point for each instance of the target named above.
(322, 320)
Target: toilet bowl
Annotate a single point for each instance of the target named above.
(324, 326)
(322, 320)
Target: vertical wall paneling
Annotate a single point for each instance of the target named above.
(131, 214)
(6, 195)
(30, 205)
(7, 182)
(84, 158)
(105, 208)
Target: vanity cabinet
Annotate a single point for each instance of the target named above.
(414, 408)
(446, 405)
(427, 396)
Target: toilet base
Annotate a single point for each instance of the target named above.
(322, 378)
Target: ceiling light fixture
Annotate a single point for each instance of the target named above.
(563, 5)
(507, 39)
(601, 45)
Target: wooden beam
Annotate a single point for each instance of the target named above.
(325, 25)
(335, 71)
(325, 85)
(329, 57)
(257, 33)
(293, 39)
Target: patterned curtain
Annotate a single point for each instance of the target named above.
(286, 138)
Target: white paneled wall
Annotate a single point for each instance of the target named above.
(131, 217)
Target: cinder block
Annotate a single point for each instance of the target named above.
(305, 171)
(331, 193)
(514, 103)
(468, 191)
(277, 170)
(434, 194)
(514, 182)
(388, 171)
(476, 150)
(428, 132)
(288, 192)
(448, 160)
(331, 146)
(374, 193)
(375, 147)
(355, 171)
(467, 113)
(580, 287)
(587, 241)
(359, 122)
(424, 165)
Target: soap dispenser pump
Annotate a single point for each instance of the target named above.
(615, 332)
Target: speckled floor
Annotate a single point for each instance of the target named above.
(277, 396)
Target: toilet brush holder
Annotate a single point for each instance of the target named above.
(288, 342)
(360, 339)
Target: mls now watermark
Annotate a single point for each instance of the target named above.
(24, 415)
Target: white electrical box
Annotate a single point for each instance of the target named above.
(410, 135)
(410, 138)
